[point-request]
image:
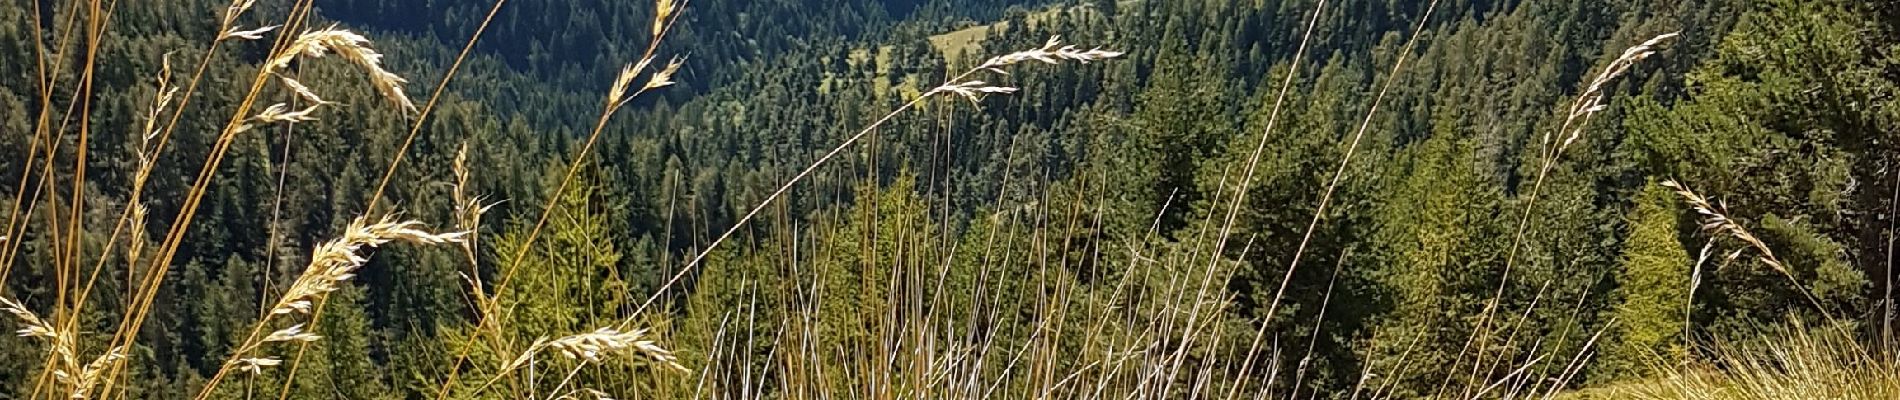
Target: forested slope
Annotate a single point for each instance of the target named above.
(1380, 198)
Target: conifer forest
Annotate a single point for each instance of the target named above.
(949, 199)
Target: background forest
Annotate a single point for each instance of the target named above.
(370, 199)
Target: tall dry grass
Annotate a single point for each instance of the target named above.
(1142, 348)
(1593, 99)
(1155, 331)
(65, 375)
(1795, 362)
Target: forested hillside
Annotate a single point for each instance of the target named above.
(791, 199)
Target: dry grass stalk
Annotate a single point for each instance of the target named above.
(352, 47)
(1716, 221)
(81, 379)
(229, 23)
(165, 95)
(136, 214)
(34, 326)
(617, 95)
(1052, 52)
(972, 90)
(88, 376)
(337, 261)
(238, 7)
(607, 342)
(256, 365)
(331, 264)
(61, 341)
(1591, 101)
(1582, 109)
(596, 346)
(469, 209)
(666, 15)
(67, 370)
(302, 91)
(664, 78)
(294, 333)
(147, 287)
(282, 113)
(662, 15)
(592, 347)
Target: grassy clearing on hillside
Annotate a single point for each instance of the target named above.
(955, 45)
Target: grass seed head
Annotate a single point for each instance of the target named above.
(245, 34)
(1052, 52)
(662, 14)
(606, 342)
(336, 261)
(256, 365)
(352, 47)
(33, 325)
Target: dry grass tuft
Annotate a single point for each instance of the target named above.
(1800, 364)
(585, 394)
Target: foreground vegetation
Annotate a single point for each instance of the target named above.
(935, 199)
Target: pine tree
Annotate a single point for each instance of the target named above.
(1434, 260)
(1652, 294)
